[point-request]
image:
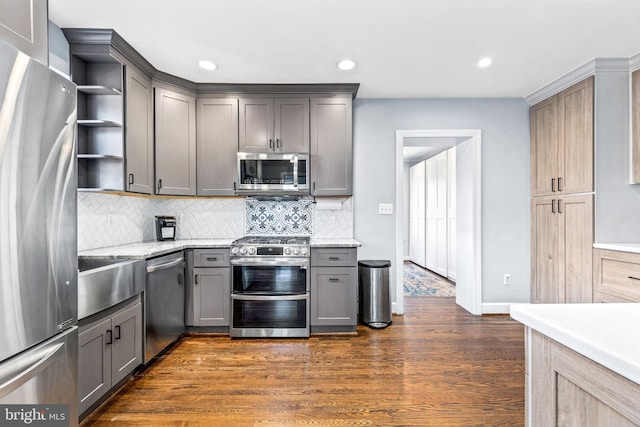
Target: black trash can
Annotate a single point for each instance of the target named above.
(375, 299)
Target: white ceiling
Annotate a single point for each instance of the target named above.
(403, 48)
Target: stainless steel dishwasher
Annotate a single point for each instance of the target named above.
(164, 303)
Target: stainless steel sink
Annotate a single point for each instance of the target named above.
(105, 282)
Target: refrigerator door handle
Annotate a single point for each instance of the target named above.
(15, 373)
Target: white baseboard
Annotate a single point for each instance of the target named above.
(496, 307)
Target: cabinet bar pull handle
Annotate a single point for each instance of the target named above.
(117, 334)
(559, 205)
(334, 279)
(271, 143)
(278, 142)
(196, 279)
(314, 187)
(553, 185)
(559, 183)
(234, 186)
(212, 258)
(634, 278)
(334, 258)
(130, 178)
(159, 185)
(553, 205)
(109, 337)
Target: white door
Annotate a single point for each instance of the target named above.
(451, 213)
(417, 214)
(437, 228)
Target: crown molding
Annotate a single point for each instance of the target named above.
(634, 62)
(591, 68)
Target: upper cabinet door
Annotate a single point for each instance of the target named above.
(575, 157)
(544, 146)
(175, 122)
(217, 145)
(256, 125)
(331, 142)
(274, 125)
(291, 130)
(138, 132)
(562, 142)
(24, 24)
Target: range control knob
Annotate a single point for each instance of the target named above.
(234, 251)
(287, 251)
(243, 251)
(303, 251)
(252, 250)
(296, 251)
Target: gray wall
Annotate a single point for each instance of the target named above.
(617, 204)
(505, 180)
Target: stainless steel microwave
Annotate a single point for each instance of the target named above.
(273, 173)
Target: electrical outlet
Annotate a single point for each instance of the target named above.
(507, 279)
(385, 209)
(109, 219)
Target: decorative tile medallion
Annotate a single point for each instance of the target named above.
(275, 217)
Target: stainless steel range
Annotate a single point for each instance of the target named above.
(270, 287)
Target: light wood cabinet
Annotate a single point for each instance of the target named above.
(210, 288)
(175, 143)
(635, 127)
(562, 240)
(334, 290)
(274, 125)
(567, 389)
(562, 142)
(217, 145)
(138, 131)
(24, 24)
(331, 147)
(109, 349)
(616, 276)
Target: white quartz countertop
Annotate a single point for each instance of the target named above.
(608, 334)
(152, 249)
(624, 247)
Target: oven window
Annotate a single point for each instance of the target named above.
(270, 313)
(271, 172)
(271, 280)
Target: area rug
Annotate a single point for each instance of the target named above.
(419, 282)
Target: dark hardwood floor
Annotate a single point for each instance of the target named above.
(435, 365)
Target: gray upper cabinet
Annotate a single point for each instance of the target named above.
(270, 125)
(331, 147)
(23, 24)
(217, 145)
(138, 131)
(175, 137)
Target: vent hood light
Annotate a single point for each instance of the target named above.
(484, 62)
(346, 65)
(208, 65)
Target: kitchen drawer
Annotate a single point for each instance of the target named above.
(334, 257)
(617, 274)
(602, 297)
(211, 258)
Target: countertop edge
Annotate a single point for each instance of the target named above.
(620, 247)
(579, 343)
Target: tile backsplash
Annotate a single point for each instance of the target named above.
(110, 219)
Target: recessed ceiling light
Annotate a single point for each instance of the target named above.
(484, 62)
(207, 65)
(346, 64)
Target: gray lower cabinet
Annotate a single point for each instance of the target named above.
(210, 288)
(138, 131)
(109, 349)
(274, 125)
(23, 24)
(175, 140)
(217, 145)
(331, 146)
(334, 290)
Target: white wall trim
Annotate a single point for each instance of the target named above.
(634, 62)
(597, 65)
(476, 265)
(497, 307)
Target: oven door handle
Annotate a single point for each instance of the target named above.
(277, 262)
(269, 297)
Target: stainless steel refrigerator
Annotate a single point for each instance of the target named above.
(38, 252)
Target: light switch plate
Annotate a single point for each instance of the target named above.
(385, 209)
